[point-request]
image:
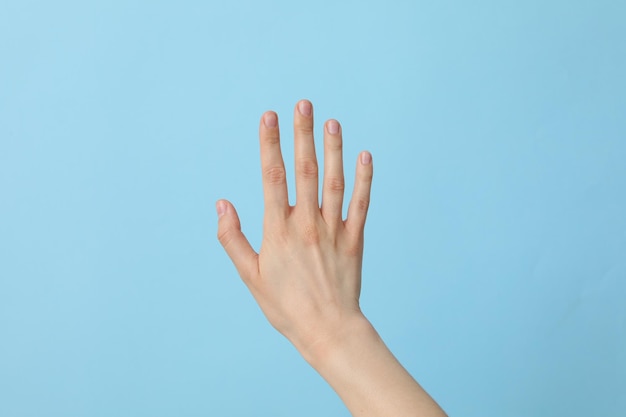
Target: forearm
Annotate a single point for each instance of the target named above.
(366, 375)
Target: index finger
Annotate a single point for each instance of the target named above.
(273, 167)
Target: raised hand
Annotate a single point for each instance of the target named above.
(307, 274)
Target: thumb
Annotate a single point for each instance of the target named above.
(234, 242)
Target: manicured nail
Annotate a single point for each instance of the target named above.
(221, 208)
(333, 127)
(304, 107)
(270, 120)
(366, 158)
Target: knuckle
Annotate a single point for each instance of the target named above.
(335, 184)
(354, 250)
(225, 236)
(305, 127)
(307, 168)
(334, 144)
(275, 175)
(362, 204)
(271, 139)
(310, 234)
(277, 235)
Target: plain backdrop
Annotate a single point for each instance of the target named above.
(495, 258)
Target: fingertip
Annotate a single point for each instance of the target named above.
(366, 158)
(305, 107)
(333, 126)
(270, 119)
(221, 206)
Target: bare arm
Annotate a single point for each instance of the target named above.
(307, 274)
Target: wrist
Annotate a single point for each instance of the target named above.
(342, 339)
(357, 364)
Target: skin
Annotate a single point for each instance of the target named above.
(307, 275)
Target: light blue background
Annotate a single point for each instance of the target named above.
(495, 260)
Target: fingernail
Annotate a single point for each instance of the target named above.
(366, 158)
(333, 127)
(304, 107)
(221, 208)
(270, 120)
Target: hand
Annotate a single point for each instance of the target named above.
(307, 275)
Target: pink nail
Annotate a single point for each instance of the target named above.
(366, 158)
(304, 107)
(270, 120)
(333, 127)
(221, 208)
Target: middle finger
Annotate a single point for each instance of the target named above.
(305, 159)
